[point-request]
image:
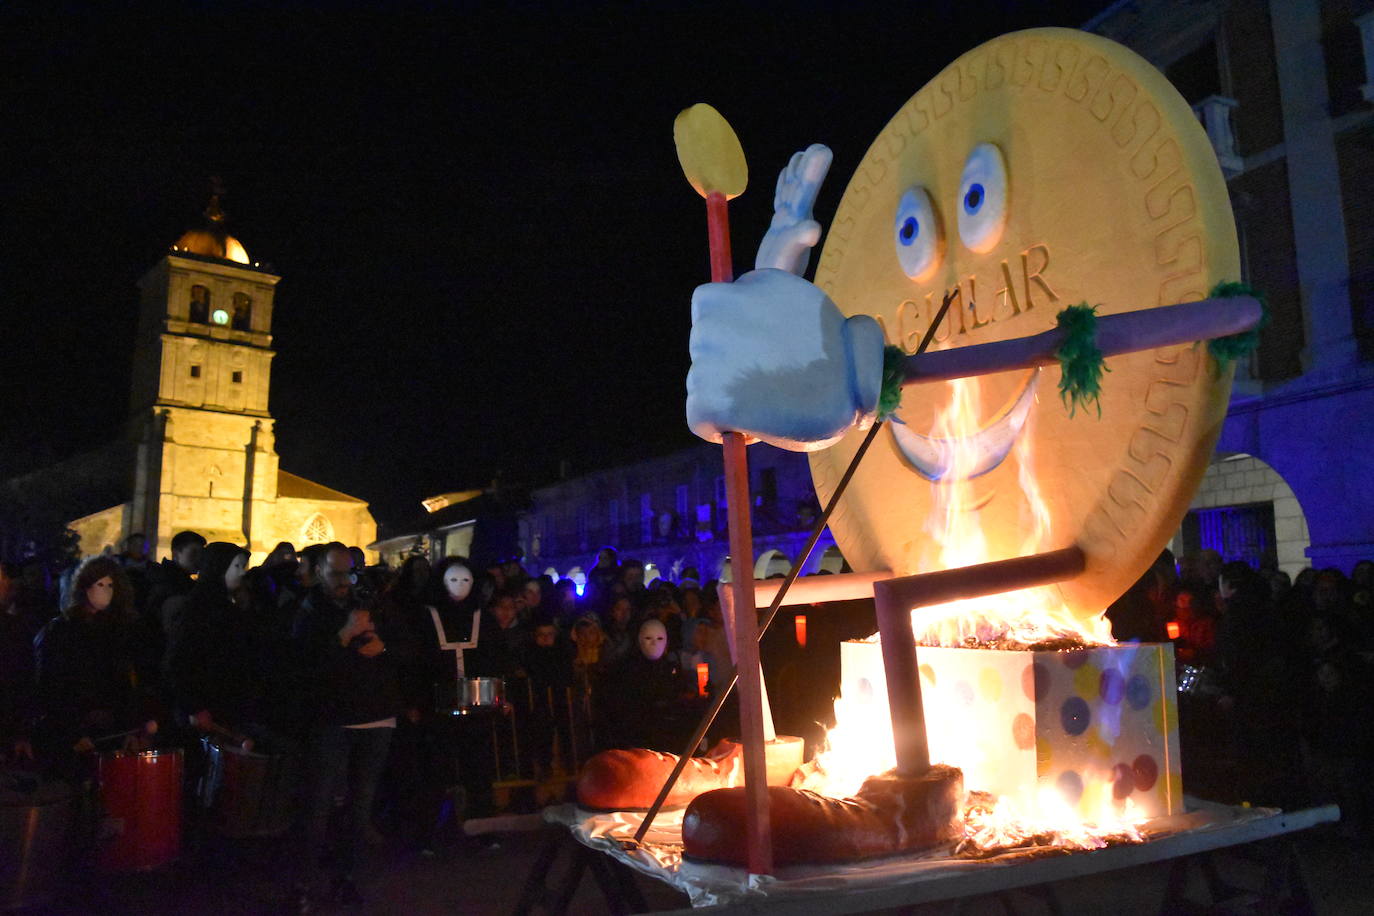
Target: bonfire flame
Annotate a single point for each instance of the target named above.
(1029, 619)
(1035, 617)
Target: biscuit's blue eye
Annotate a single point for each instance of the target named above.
(983, 198)
(917, 234)
(973, 198)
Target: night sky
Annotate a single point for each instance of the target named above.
(486, 243)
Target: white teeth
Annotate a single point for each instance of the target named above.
(934, 457)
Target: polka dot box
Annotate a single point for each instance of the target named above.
(1095, 723)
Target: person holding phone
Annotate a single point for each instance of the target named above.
(352, 655)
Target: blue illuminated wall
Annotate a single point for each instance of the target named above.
(670, 511)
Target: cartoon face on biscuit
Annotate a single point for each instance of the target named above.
(1040, 170)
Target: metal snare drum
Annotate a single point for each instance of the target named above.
(36, 819)
(486, 693)
(249, 794)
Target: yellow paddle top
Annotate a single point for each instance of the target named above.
(710, 153)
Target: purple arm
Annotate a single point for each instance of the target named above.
(1123, 333)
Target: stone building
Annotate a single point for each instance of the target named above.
(199, 453)
(1285, 89)
(670, 513)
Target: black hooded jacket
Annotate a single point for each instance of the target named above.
(216, 660)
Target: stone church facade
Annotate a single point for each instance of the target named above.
(201, 438)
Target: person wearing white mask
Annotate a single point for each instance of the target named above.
(86, 686)
(650, 703)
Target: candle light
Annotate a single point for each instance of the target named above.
(703, 677)
(1172, 629)
(801, 630)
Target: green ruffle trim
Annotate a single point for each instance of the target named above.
(1080, 362)
(1227, 349)
(890, 395)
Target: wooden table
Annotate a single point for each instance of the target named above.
(1185, 840)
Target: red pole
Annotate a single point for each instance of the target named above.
(718, 233)
(757, 831)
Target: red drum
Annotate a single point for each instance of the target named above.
(249, 794)
(140, 809)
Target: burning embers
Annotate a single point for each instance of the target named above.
(1059, 748)
(993, 826)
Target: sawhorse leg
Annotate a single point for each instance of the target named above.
(553, 895)
(1285, 885)
(1045, 893)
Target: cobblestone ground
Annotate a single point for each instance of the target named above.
(465, 878)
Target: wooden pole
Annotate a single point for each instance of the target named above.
(1126, 332)
(757, 827)
(895, 599)
(737, 505)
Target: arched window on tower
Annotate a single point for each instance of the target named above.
(200, 304)
(317, 530)
(243, 312)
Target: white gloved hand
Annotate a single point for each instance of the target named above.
(773, 358)
(793, 233)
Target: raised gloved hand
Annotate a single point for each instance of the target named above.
(772, 357)
(793, 232)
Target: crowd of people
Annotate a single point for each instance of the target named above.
(352, 669)
(1276, 678)
(349, 667)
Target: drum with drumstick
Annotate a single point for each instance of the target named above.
(139, 794)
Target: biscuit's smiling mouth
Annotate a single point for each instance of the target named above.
(947, 459)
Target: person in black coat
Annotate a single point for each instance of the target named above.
(86, 687)
(351, 655)
(648, 700)
(16, 671)
(218, 657)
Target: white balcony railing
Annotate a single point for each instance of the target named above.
(1365, 24)
(1215, 114)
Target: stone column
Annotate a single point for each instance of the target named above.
(1315, 186)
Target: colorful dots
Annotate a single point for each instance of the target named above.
(1041, 677)
(989, 685)
(1086, 679)
(928, 674)
(1123, 781)
(1138, 692)
(1112, 687)
(1075, 716)
(963, 692)
(1075, 658)
(1070, 785)
(1146, 771)
(1023, 730)
(1028, 682)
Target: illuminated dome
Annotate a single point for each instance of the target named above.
(211, 239)
(213, 244)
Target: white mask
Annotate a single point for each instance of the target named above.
(100, 594)
(458, 582)
(233, 576)
(653, 640)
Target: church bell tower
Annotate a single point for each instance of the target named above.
(202, 370)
